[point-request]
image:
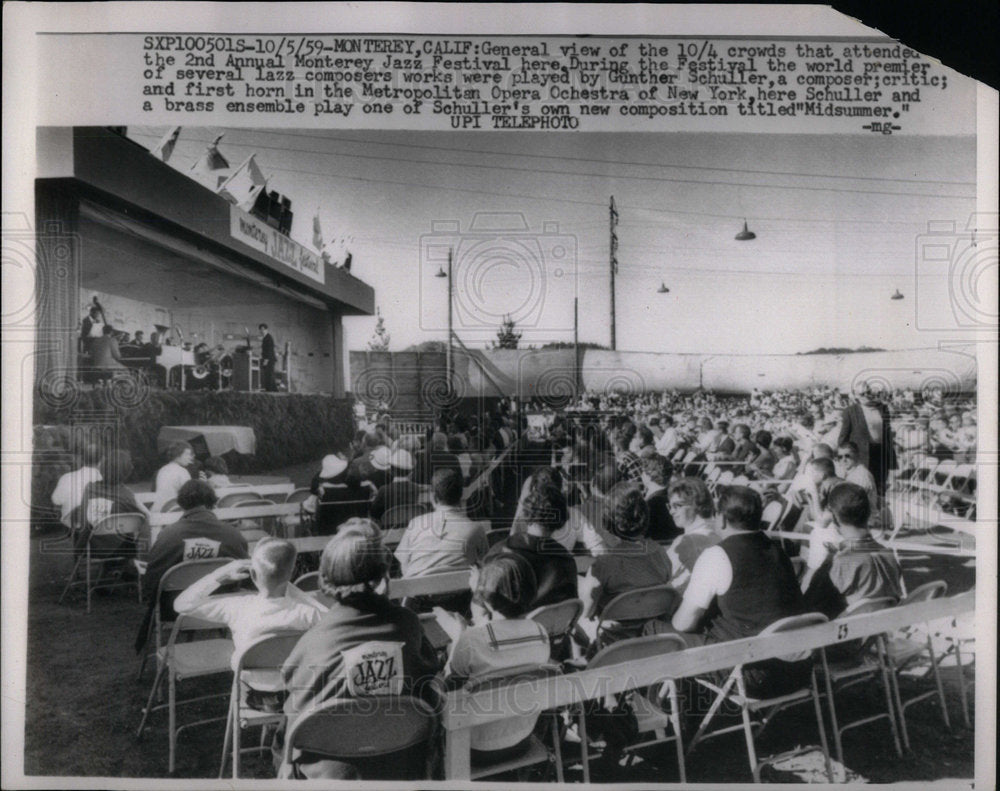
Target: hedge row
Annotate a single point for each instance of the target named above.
(290, 429)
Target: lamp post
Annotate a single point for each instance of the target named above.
(442, 273)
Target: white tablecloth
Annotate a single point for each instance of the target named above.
(220, 439)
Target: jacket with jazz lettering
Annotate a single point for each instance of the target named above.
(317, 670)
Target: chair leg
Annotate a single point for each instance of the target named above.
(748, 729)
(226, 739)
(675, 723)
(72, 578)
(719, 699)
(237, 732)
(890, 683)
(172, 723)
(89, 589)
(814, 688)
(837, 744)
(557, 747)
(584, 749)
(937, 681)
(962, 691)
(149, 703)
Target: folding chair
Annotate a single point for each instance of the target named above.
(179, 661)
(263, 659)
(329, 516)
(400, 516)
(773, 511)
(259, 526)
(626, 614)
(559, 620)
(768, 707)
(868, 662)
(902, 652)
(536, 752)
(959, 635)
(298, 496)
(104, 544)
(170, 505)
(713, 476)
(647, 706)
(234, 499)
(174, 580)
(351, 728)
(923, 473)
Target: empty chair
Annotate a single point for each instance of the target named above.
(866, 660)
(308, 583)
(259, 668)
(298, 496)
(329, 516)
(239, 498)
(734, 691)
(771, 516)
(902, 652)
(647, 705)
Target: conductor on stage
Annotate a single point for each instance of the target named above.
(267, 359)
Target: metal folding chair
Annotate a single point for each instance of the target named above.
(263, 659)
(867, 662)
(558, 620)
(626, 614)
(536, 752)
(180, 661)
(767, 707)
(902, 652)
(647, 705)
(353, 728)
(104, 544)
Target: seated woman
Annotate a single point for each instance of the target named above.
(174, 474)
(693, 511)
(363, 631)
(216, 472)
(636, 562)
(108, 497)
(500, 638)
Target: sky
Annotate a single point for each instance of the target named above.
(840, 223)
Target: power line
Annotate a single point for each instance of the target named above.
(616, 177)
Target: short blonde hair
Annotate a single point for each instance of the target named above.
(275, 559)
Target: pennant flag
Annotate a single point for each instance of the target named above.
(206, 168)
(317, 232)
(165, 147)
(244, 185)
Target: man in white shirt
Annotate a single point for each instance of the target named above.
(174, 474)
(446, 539)
(851, 471)
(68, 493)
(669, 439)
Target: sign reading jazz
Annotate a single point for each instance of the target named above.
(261, 236)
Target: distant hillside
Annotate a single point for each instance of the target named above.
(841, 350)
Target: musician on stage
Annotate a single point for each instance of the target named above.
(93, 327)
(268, 359)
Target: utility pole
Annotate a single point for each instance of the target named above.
(614, 267)
(576, 344)
(448, 357)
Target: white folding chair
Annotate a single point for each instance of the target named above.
(646, 705)
(180, 661)
(626, 614)
(104, 544)
(867, 661)
(766, 707)
(263, 659)
(559, 621)
(308, 583)
(902, 652)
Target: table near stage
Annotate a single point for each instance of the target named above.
(218, 439)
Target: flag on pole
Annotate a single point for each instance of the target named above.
(317, 232)
(207, 166)
(244, 185)
(165, 147)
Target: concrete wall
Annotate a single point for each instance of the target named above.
(550, 374)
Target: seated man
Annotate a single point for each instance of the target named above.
(748, 583)
(555, 570)
(278, 605)
(197, 535)
(819, 480)
(445, 539)
(853, 565)
(105, 354)
(852, 471)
